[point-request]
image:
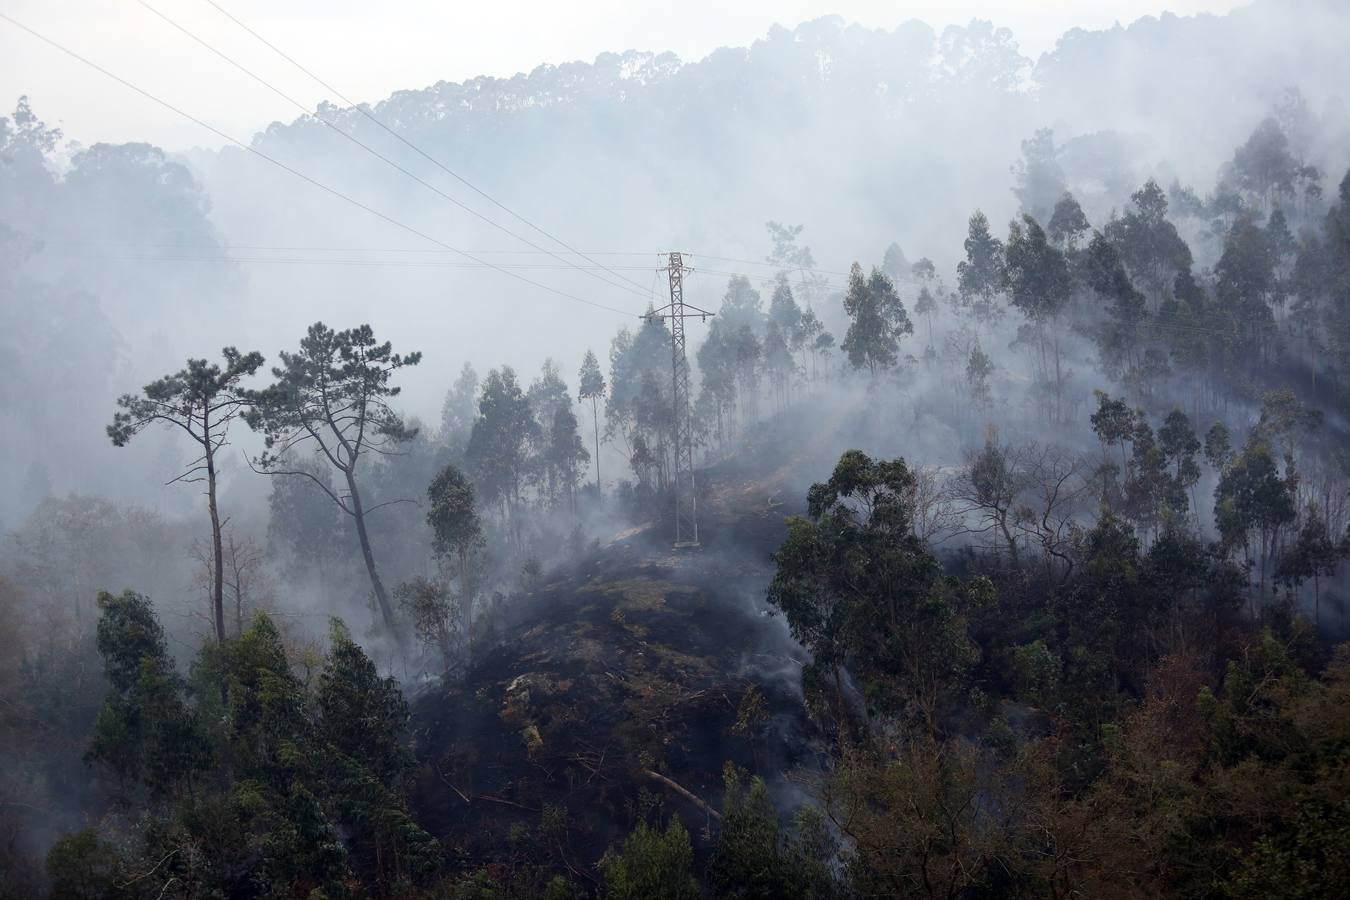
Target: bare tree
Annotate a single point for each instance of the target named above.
(985, 490)
(935, 517)
(1054, 481)
(245, 575)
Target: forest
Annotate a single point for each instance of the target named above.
(1022, 558)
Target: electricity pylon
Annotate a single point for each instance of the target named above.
(686, 501)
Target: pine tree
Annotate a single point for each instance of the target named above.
(202, 400)
(333, 395)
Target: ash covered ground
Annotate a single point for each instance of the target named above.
(631, 677)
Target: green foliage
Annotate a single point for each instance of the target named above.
(497, 454)
(855, 563)
(80, 866)
(201, 400)
(453, 516)
(361, 714)
(1037, 273)
(591, 382)
(978, 369)
(1038, 672)
(756, 857)
(1067, 222)
(1310, 860)
(877, 321)
(144, 730)
(338, 384)
(332, 396)
(435, 618)
(1147, 242)
(1264, 166)
(651, 863)
(564, 457)
(294, 789)
(980, 276)
(196, 398)
(1252, 497)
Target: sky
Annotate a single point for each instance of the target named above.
(368, 50)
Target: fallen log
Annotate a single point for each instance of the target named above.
(683, 792)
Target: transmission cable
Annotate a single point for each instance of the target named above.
(419, 151)
(371, 150)
(297, 173)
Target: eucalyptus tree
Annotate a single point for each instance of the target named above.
(783, 308)
(1106, 276)
(1263, 167)
(459, 409)
(1336, 263)
(809, 331)
(1038, 284)
(592, 388)
(1313, 555)
(924, 271)
(1252, 497)
(1180, 446)
(456, 528)
(202, 400)
(547, 393)
(631, 356)
(926, 306)
(457, 534)
(978, 369)
(877, 321)
(333, 396)
(717, 380)
(1040, 180)
(498, 454)
(1245, 286)
(861, 590)
(979, 277)
(1067, 223)
(778, 363)
(1148, 243)
(894, 263)
(564, 456)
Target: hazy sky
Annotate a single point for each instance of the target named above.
(368, 49)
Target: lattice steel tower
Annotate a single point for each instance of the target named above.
(686, 501)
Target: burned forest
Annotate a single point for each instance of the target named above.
(865, 458)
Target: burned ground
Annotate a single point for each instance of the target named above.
(638, 670)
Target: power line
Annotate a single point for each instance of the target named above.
(320, 249)
(374, 263)
(298, 174)
(419, 151)
(339, 261)
(771, 265)
(366, 147)
(310, 248)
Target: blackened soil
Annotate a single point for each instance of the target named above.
(640, 660)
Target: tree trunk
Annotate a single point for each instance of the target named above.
(595, 418)
(217, 546)
(1317, 602)
(359, 514)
